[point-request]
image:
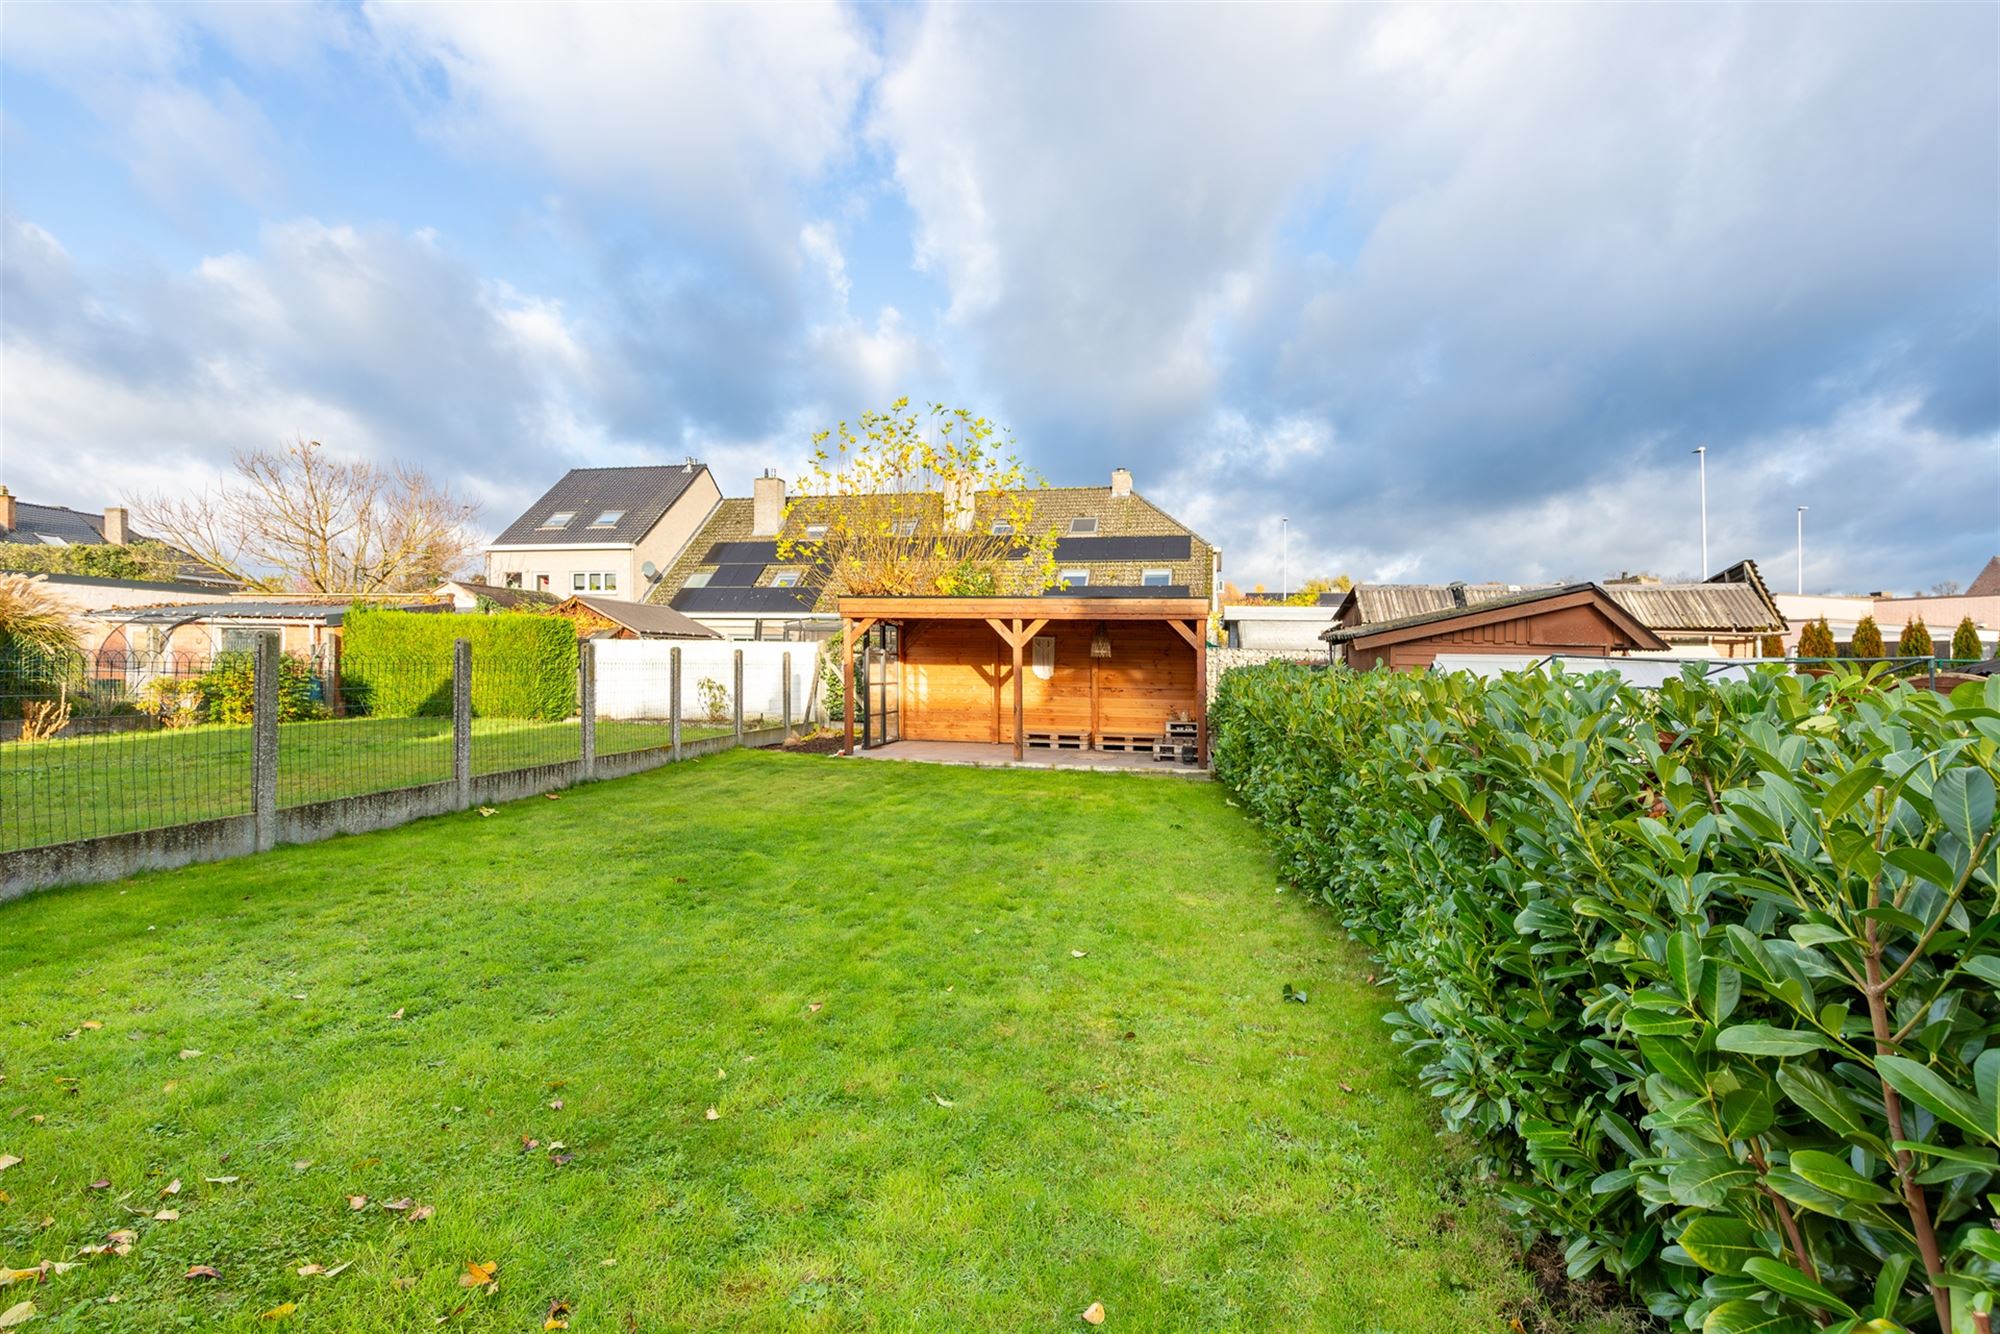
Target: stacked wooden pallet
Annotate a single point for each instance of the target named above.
(1058, 740)
(1128, 743)
(1182, 744)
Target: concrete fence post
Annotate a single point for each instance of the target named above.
(738, 709)
(264, 742)
(786, 667)
(586, 698)
(461, 720)
(674, 697)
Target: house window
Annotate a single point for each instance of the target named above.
(611, 581)
(576, 584)
(594, 582)
(560, 519)
(1083, 525)
(815, 531)
(541, 583)
(512, 580)
(699, 579)
(906, 528)
(1074, 578)
(608, 519)
(1155, 578)
(51, 539)
(1001, 528)
(785, 579)
(1043, 662)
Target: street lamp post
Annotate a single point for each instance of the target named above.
(1701, 456)
(1284, 559)
(1802, 549)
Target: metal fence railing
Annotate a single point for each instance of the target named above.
(101, 744)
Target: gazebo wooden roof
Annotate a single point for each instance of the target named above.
(1017, 620)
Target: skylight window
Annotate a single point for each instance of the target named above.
(608, 519)
(1155, 578)
(560, 519)
(1074, 579)
(785, 579)
(1083, 525)
(52, 540)
(1001, 528)
(815, 531)
(699, 579)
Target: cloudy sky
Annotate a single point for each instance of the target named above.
(1456, 290)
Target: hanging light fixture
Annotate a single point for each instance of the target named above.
(1100, 643)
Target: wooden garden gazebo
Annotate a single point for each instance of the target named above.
(1068, 672)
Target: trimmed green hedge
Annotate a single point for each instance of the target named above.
(397, 664)
(1712, 971)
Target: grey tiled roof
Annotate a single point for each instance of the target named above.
(32, 523)
(1987, 583)
(641, 494)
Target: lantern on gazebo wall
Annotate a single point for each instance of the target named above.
(1100, 643)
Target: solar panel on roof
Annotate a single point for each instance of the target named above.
(736, 576)
(1166, 546)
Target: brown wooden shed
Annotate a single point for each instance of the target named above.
(1581, 619)
(1099, 673)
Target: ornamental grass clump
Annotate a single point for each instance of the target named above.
(1712, 972)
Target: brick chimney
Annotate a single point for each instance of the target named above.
(7, 516)
(767, 505)
(117, 525)
(1121, 481)
(961, 501)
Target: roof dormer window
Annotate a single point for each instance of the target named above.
(1083, 525)
(560, 519)
(815, 531)
(906, 528)
(1001, 528)
(608, 519)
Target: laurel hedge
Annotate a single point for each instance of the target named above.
(1712, 972)
(397, 664)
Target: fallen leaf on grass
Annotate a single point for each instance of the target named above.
(167, 1216)
(1078, 954)
(403, 1284)
(202, 1271)
(92, 1024)
(357, 1202)
(8, 1160)
(171, 1188)
(307, 1271)
(222, 1181)
(301, 1164)
(814, 1007)
(529, 1143)
(20, 1313)
(488, 811)
(398, 1206)
(479, 1275)
(399, 1012)
(189, 1053)
(1346, 1087)
(558, 1317)
(280, 1311)
(712, 1115)
(556, 1105)
(421, 1212)
(1093, 1314)
(562, 1159)
(102, 1183)
(942, 1101)
(170, 1086)
(553, 796)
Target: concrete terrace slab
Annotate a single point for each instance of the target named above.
(982, 756)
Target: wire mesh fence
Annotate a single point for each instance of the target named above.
(379, 726)
(111, 742)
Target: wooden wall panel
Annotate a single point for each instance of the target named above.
(958, 683)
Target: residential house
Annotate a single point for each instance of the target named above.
(1582, 620)
(604, 531)
(1113, 544)
(1940, 613)
(59, 526)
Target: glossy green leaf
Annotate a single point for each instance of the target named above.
(1783, 1279)
(1833, 1175)
(1964, 801)
(1705, 1183)
(1830, 1105)
(1923, 1086)
(1766, 1040)
(1741, 1317)
(1719, 1244)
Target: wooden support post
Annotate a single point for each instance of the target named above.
(1020, 745)
(847, 682)
(1201, 700)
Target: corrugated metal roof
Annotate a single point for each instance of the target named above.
(246, 609)
(645, 619)
(1340, 634)
(639, 495)
(1698, 609)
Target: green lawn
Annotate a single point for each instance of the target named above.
(984, 1047)
(84, 787)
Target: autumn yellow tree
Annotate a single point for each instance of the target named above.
(909, 503)
(299, 519)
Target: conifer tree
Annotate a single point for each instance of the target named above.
(1867, 641)
(1965, 640)
(1915, 641)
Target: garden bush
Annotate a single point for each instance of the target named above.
(1712, 972)
(1965, 641)
(397, 664)
(228, 689)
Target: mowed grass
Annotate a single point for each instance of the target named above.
(87, 786)
(983, 1047)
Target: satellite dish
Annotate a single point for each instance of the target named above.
(650, 570)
